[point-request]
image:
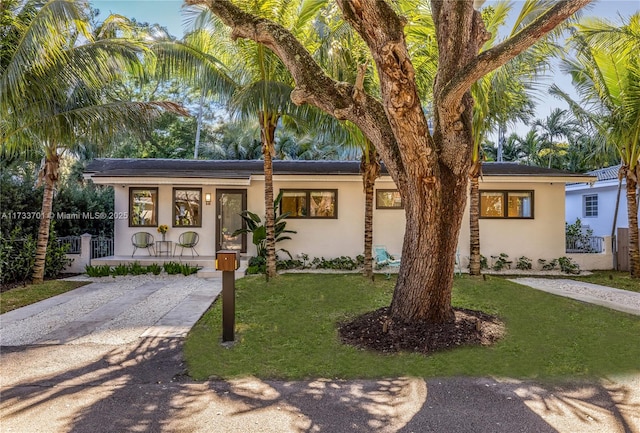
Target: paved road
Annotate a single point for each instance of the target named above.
(75, 382)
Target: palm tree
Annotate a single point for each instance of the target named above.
(264, 87)
(555, 131)
(606, 76)
(344, 55)
(501, 97)
(54, 81)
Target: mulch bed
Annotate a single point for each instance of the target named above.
(376, 331)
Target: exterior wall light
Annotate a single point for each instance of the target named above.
(207, 198)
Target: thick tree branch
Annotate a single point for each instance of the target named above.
(313, 86)
(492, 59)
(383, 32)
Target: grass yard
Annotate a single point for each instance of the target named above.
(32, 293)
(617, 279)
(286, 329)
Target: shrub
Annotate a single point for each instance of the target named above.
(98, 271)
(524, 263)
(137, 269)
(548, 266)
(501, 262)
(186, 269)
(120, 270)
(56, 260)
(568, 266)
(18, 252)
(154, 268)
(172, 268)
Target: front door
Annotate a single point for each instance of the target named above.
(230, 204)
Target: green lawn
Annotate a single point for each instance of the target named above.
(287, 329)
(617, 279)
(32, 293)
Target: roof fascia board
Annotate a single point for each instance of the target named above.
(121, 180)
(537, 179)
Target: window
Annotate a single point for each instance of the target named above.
(143, 207)
(310, 203)
(186, 207)
(388, 199)
(506, 204)
(590, 206)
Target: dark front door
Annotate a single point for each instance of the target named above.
(230, 203)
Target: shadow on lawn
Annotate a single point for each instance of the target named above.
(141, 388)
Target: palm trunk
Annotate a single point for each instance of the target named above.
(474, 225)
(268, 131)
(49, 176)
(632, 211)
(370, 169)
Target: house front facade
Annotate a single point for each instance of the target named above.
(522, 208)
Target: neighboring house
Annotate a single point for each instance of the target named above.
(522, 207)
(595, 203)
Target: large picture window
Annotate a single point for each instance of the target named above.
(143, 207)
(590, 206)
(301, 203)
(388, 199)
(506, 204)
(186, 207)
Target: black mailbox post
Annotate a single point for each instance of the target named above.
(228, 261)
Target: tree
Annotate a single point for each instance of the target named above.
(501, 97)
(430, 169)
(54, 80)
(606, 75)
(263, 91)
(555, 131)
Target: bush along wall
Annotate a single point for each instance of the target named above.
(17, 255)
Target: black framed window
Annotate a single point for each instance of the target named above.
(187, 203)
(506, 204)
(143, 207)
(310, 203)
(590, 206)
(388, 199)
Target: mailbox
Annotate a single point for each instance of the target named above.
(227, 260)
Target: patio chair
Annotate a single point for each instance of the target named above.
(143, 240)
(187, 240)
(384, 259)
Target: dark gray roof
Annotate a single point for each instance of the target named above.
(113, 167)
(608, 173)
(515, 169)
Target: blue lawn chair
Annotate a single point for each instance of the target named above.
(384, 259)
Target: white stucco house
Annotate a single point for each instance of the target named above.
(595, 205)
(522, 207)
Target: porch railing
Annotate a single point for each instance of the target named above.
(74, 243)
(101, 247)
(592, 244)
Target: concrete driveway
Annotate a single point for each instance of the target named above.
(113, 366)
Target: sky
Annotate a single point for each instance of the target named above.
(169, 14)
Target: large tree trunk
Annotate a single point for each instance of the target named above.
(431, 172)
(49, 176)
(434, 216)
(632, 211)
(370, 169)
(268, 124)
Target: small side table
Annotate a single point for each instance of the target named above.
(163, 248)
